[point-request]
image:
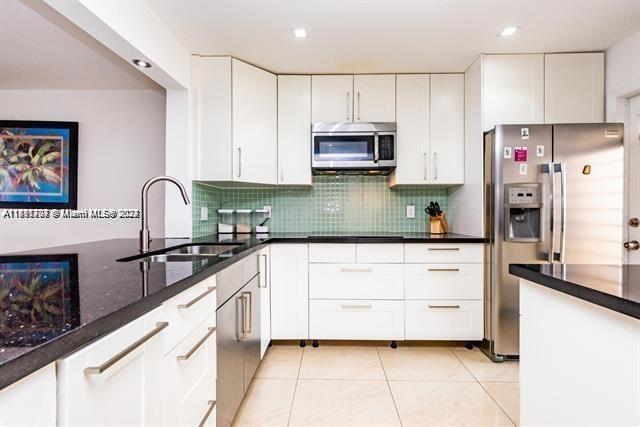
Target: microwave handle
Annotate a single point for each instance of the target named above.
(376, 148)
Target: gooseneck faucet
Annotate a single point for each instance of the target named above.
(145, 238)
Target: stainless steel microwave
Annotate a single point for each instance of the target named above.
(356, 148)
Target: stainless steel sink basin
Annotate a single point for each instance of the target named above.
(186, 253)
(206, 250)
(175, 258)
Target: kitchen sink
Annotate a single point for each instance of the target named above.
(187, 253)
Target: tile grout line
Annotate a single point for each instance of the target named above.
(484, 389)
(295, 389)
(384, 371)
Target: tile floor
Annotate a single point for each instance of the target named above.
(352, 384)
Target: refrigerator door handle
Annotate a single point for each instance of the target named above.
(562, 169)
(549, 170)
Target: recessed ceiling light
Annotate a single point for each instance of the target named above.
(508, 31)
(140, 63)
(300, 33)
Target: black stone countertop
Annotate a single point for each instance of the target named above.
(611, 286)
(55, 300)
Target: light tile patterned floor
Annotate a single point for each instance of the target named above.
(353, 384)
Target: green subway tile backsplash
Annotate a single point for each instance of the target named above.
(333, 204)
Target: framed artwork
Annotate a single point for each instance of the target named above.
(39, 298)
(38, 164)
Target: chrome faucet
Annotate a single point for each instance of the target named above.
(144, 232)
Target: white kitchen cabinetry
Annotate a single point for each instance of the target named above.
(443, 281)
(289, 291)
(332, 98)
(444, 320)
(265, 298)
(446, 140)
(189, 375)
(355, 281)
(294, 130)
(513, 89)
(235, 121)
(574, 88)
(95, 384)
(30, 401)
(412, 117)
(374, 98)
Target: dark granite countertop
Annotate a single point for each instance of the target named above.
(55, 300)
(614, 287)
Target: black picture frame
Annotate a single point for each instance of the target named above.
(72, 127)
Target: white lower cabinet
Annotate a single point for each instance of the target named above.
(30, 401)
(357, 281)
(113, 382)
(443, 281)
(189, 373)
(356, 319)
(289, 291)
(265, 299)
(443, 320)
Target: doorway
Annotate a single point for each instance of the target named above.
(632, 255)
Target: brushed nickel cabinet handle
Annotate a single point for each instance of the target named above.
(246, 313)
(355, 270)
(443, 306)
(358, 106)
(348, 106)
(240, 318)
(196, 299)
(443, 249)
(264, 271)
(115, 359)
(197, 345)
(435, 166)
(424, 165)
(239, 162)
(443, 269)
(212, 404)
(355, 305)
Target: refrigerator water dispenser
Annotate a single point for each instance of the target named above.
(522, 212)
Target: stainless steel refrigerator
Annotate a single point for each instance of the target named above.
(553, 194)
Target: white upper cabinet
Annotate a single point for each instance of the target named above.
(332, 98)
(513, 89)
(374, 98)
(254, 113)
(446, 141)
(574, 88)
(412, 116)
(235, 121)
(294, 130)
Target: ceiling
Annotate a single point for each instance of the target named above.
(392, 36)
(40, 49)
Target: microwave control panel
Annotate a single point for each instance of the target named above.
(385, 147)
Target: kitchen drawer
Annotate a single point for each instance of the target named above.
(380, 253)
(188, 309)
(332, 252)
(443, 281)
(189, 373)
(356, 319)
(443, 253)
(444, 320)
(356, 281)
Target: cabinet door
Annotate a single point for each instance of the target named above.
(289, 291)
(331, 98)
(265, 299)
(374, 98)
(17, 404)
(574, 88)
(446, 142)
(513, 89)
(129, 392)
(255, 140)
(294, 130)
(412, 117)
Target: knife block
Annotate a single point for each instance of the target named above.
(438, 224)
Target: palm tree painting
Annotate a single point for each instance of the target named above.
(38, 164)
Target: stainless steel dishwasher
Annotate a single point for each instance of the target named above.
(238, 335)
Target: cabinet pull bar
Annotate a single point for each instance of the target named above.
(348, 106)
(355, 270)
(198, 344)
(443, 306)
(115, 359)
(212, 404)
(239, 162)
(443, 269)
(443, 249)
(196, 299)
(358, 106)
(264, 272)
(355, 305)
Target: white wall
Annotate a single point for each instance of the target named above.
(121, 143)
(622, 75)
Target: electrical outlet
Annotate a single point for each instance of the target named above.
(411, 211)
(268, 209)
(204, 213)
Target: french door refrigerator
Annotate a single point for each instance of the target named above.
(553, 194)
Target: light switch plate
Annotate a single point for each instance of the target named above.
(204, 213)
(411, 211)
